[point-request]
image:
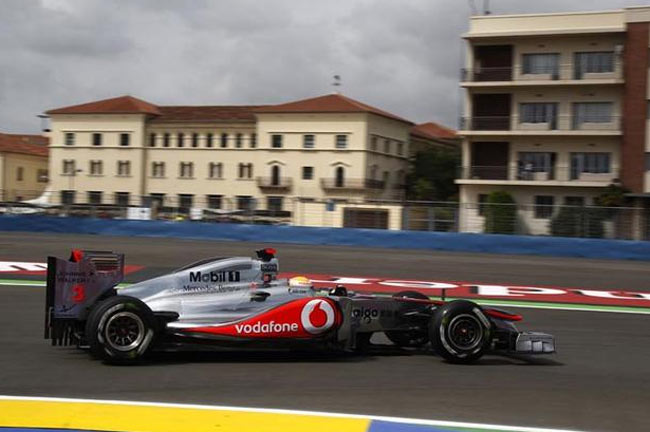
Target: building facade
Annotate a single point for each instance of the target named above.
(126, 151)
(555, 110)
(23, 166)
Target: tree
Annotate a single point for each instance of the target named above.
(500, 213)
(433, 175)
(579, 222)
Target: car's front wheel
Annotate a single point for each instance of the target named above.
(460, 332)
(120, 329)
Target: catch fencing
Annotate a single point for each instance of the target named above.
(629, 223)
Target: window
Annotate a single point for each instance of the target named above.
(166, 140)
(400, 148)
(124, 168)
(195, 140)
(215, 170)
(373, 143)
(308, 141)
(541, 64)
(152, 140)
(96, 167)
(180, 139)
(97, 139)
(185, 201)
(158, 169)
(244, 202)
(68, 167)
(94, 197)
(122, 199)
(373, 172)
(125, 139)
(387, 146)
(276, 141)
(41, 176)
(593, 62)
(386, 178)
(530, 163)
(574, 201)
(69, 138)
(214, 201)
(543, 206)
(592, 112)
(245, 170)
(186, 170)
(253, 140)
(538, 113)
(275, 175)
(209, 140)
(224, 140)
(593, 162)
(482, 201)
(157, 200)
(67, 196)
(20, 172)
(341, 141)
(339, 180)
(307, 173)
(647, 161)
(274, 204)
(238, 140)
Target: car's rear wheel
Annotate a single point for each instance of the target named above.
(120, 329)
(460, 332)
(412, 338)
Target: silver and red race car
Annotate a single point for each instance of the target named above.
(241, 302)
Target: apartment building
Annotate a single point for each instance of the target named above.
(23, 166)
(127, 151)
(555, 110)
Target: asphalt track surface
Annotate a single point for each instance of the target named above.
(598, 381)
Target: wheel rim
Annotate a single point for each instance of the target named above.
(124, 331)
(465, 332)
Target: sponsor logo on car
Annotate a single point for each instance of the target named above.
(269, 268)
(317, 316)
(215, 276)
(262, 328)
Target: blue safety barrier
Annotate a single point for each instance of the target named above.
(461, 242)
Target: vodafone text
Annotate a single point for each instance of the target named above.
(270, 327)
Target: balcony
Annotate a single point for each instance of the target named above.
(350, 184)
(558, 125)
(274, 183)
(548, 176)
(514, 75)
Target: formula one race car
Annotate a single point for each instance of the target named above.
(240, 302)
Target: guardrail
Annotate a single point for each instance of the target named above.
(553, 123)
(532, 174)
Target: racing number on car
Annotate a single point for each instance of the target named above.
(78, 293)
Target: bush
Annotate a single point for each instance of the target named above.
(578, 222)
(500, 213)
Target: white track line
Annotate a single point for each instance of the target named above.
(294, 412)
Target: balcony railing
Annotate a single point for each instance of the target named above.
(552, 173)
(274, 182)
(559, 123)
(351, 183)
(516, 73)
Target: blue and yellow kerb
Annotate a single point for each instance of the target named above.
(27, 414)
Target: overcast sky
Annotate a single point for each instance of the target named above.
(399, 55)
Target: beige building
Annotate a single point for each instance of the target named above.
(23, 166)
(555, 110)
(274, 158)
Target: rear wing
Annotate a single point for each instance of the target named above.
(74, 285)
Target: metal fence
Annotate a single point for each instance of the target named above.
(554, 220)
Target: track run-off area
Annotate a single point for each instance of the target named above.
(598, 310)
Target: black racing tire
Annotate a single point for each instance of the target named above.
(409, 338)
(460, 331)
(121, 330)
